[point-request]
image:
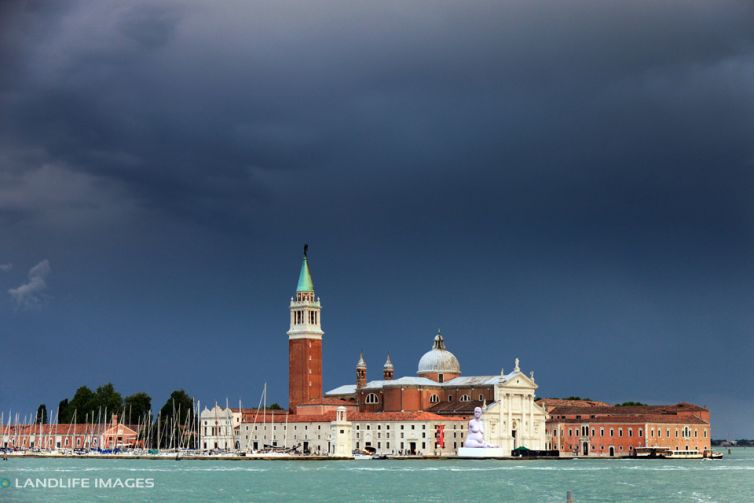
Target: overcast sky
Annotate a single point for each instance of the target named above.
(567, 182)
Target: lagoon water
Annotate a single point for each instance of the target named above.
(730, 480)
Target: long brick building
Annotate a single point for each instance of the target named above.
(604, 430)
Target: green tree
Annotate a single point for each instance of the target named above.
(179, 404)
(177, 411)
(91, 406)
(630, 404)
(82, 403)
(274, 406)
(64, 411)
(137, 407)
(107, 399)
(41, 414)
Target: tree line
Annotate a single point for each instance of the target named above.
(89, 406)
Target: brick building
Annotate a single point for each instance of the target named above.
(70, 436)
(581, 430)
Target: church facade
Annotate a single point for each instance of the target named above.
(508, 401)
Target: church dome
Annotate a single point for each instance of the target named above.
(438, 359)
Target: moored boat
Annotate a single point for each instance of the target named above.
(651, 452)
(713, 455)
(361, 455)
(689, 454)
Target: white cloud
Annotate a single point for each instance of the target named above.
(29, 294)
(6, 267)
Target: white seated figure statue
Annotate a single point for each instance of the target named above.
(475, 438)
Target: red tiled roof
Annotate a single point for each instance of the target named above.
(358, 416)
(327, 401)
(458, 407)
(626, 410)
(550, 403)
(61, 429)
(292, 418)
(400, 416)
(634, 419)
(249, 414)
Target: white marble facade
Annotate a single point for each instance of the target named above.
(514, 419)
(217, 429)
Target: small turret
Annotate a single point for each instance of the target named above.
(388, 369)
(361, 372)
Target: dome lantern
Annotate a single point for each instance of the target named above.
(438, 363)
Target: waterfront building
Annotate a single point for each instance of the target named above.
(427, 413)
(515, 419)
(118, 435)
(70, 436)
(408, 433)
(508, 403)
(606, 431)
(217, 428)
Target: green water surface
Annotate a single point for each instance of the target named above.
(730, 480)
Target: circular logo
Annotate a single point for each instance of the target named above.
(4, 483)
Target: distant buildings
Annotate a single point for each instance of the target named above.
(602, 430)
(70, 436)
(216, 429)
(427, 413)
(420, 433)
(512, 417)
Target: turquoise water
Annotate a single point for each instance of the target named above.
(726, 481)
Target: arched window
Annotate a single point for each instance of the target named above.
(372, 398)
(450, 398)
(481, 398)
(434, 399)
(465, 398)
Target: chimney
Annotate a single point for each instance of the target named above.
(115, 419)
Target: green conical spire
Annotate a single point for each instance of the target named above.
(305, 283)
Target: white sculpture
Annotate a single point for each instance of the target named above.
(475, 438)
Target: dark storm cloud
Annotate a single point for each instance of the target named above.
(191, 105)
(578, 173)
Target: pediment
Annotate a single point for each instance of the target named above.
(518, 380)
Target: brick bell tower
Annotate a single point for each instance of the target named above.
(304, 342)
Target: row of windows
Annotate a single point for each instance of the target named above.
(274, 427)
(686, 432)
(387, 426)
(585, 432)
(373, 398)
(313, 317)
